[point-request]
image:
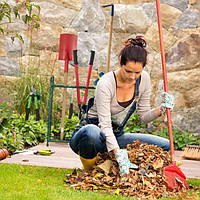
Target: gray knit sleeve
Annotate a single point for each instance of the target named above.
(145, 113)
(103, 97)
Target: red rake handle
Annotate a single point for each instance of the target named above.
(89, 75)
(165, 79)
(76, 74)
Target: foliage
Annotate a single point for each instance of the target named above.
(181, 139)
(17, 133)
(22, 90)
(8, 141)
(30, 18)
(134, 125)
(44, 183)
(70, 125)
(5, 111)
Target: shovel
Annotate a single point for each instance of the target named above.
(174, 176)
(68, 42)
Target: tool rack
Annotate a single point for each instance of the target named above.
(50, 137)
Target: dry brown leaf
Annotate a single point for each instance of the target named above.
(147, 182)
(158, 163)
(106, 166)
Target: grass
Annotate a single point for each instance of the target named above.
(19, 182)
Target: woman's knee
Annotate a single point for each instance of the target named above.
(92, 132)
(166, 145)
(88, 141)
(88, 133)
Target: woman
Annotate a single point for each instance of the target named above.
(117, 92)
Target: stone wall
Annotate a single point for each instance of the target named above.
(181, 33)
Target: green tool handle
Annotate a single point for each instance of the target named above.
(28, 107)
(36, 109)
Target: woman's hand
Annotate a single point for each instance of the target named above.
(167, 101)
(123, 161)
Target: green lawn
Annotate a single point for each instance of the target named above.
(18, 182)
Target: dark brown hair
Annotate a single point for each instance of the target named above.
(134, 50)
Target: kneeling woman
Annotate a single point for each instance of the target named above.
(116, 96)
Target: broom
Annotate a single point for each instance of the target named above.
(191, 152)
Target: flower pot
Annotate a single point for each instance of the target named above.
(4, 153)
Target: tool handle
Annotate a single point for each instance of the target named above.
(72, 96)
(77, 85)
(165, 79)
(28, 107)
(75, 57)
(80, 111)
(76, 74)
(89, 75)
(71, 105)
(110, 36)
(36, 108)
(66, 66)
(70, 110)
(92, 58)
(27, 113)
(37, 114)
(112, 9)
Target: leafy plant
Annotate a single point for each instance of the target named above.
(22, 90)
(181, 139)
(31, 132)
(70, 125)
(9, 141)
(17, 133)
(5, 111)
(134, 125)
(30, 18)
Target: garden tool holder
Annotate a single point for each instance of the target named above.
(51, 137)
(34, 96)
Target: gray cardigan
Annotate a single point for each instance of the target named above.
(106, 107)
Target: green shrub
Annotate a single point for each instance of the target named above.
(17, 133)
(181, 139)
(134, 125)
(8, 141)
(70, 125)
(5, 111)
(22, 90)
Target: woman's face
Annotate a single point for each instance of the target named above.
(131, 71)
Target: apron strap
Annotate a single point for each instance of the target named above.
(133, 107)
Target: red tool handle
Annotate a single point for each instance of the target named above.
(89, 74)
(76, 74)
(165, 79)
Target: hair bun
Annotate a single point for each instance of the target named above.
(137, 41)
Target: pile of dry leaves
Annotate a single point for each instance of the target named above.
(148, 182)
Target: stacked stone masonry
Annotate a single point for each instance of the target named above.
(181, 33)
